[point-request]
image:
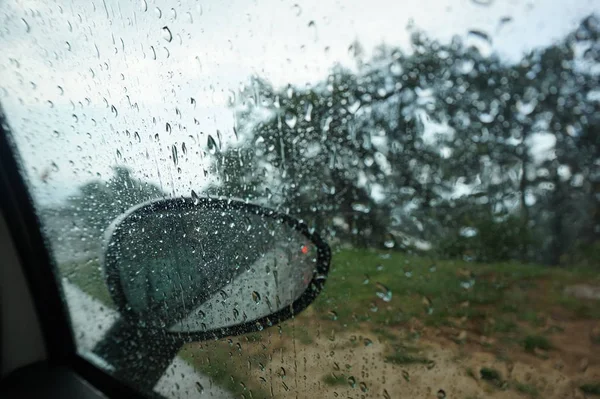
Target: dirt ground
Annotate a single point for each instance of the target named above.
(357, 359)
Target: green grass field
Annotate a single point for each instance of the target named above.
(392, 288)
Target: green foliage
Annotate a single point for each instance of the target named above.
(385, 334)
(591, 388)
(492, 376)
(335, 379)
(432, 292)
(493, 241)
(98, 203)
(503, 325)
(581, 309)
(402, 358)
(527, 389)
(533, 342)
(320, 152)
(586, 255)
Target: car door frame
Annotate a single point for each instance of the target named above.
(38, 267)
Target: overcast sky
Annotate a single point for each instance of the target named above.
(70, 73)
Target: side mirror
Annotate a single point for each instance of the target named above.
(207, 268)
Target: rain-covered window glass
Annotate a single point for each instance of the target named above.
(447, 151)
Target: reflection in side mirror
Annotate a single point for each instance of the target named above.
(209, 268)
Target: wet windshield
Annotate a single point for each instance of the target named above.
(448, 151)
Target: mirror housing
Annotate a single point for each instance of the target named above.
(205, 268)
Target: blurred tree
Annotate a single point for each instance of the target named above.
(98, 203)
(433, 141)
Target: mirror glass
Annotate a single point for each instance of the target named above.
(202, 269)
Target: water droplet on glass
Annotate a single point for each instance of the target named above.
(113, 109)
(360, 207)
(27, 27)
(167, 35)
(396, 69)
(481, 35)
(353, 108)
(297, 9)
(368, 342)
(119, 155)
(482, 2)
(308, 113)
(256, 297)
(312, 25)
(504, 21)
(352, 381)
(584, 364)
(363, 387)
(158, 12)
(199, 387)
(405, 375)
(195, 198)
(174, 154)
(219, 137)
(389, 243)
(526, 108)
(383, 292)
(212, 145)
(136, 135)
(168, 127)
(290, 120)
(441, 394)
(386, 394)
(481, 41)
(366, 279)
(333, 315)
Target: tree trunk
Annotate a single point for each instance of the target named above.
(557, 247)
(524, 208)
